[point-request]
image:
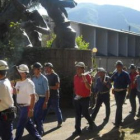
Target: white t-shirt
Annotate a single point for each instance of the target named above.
(24, 90)
(6, 100)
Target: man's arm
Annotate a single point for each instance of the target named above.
(31, 107)
(47, 94)
(87, 83)
(57, 86)
(57, 83)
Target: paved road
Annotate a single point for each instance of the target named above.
(101, 130)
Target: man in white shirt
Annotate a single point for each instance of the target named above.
(25, 90)
(6, 103)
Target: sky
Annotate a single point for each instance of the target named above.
(134, 4)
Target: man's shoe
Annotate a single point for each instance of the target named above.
(117, 125)
(76, 133)
(132, 113)
(138, 115)
(106, 119)
(59, 125)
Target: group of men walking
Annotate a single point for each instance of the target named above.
(36, 95)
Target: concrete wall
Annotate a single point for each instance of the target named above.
(113, 44)
(123, 43)
(131, 46)
(89, 35)
(109, 62)
(102, 42)
(137, 47)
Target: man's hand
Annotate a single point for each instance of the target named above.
(30, 113)
(84, 78)
(44, 105)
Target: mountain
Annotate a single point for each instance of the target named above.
(110, 16)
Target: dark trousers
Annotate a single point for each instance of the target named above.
(102, 98)
(119, 97)
(81, 108)
(54, 103)
(26, 122)
(38, 115)
(6, 128)
(132, 99)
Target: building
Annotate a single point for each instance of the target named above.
(111, 44)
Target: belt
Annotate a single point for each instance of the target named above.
(118, 90)
(104, 92)
(41, 95)
(22, 105)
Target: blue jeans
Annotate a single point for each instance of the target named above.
(38, 115)
(54, 103)
(26, 122)
(6, 128)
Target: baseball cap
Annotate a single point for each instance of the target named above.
(37, 65)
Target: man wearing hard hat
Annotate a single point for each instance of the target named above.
(122, 82)
(82, 89)
(25, 90)
(6, 104)
(102, 89)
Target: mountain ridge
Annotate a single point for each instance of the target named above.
(110, 16)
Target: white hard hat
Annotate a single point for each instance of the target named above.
(101, 70)
(23, 68)
(80, 64)
(3, 65)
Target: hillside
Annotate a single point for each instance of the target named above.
(116, 17)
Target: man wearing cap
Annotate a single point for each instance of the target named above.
(6, 102)
(137, 80)
(25, 90)
(42, 89)
(54, 85)
(133, 88)
(102, 89)
(121, 81)
(82, 89)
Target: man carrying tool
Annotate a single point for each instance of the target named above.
(121, 81)
(6, 104)
(82, 89)
(102, 90)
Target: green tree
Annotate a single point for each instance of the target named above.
(50, 41)
(81, 43)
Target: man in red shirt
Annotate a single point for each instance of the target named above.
(82, 89)
(133, 89)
